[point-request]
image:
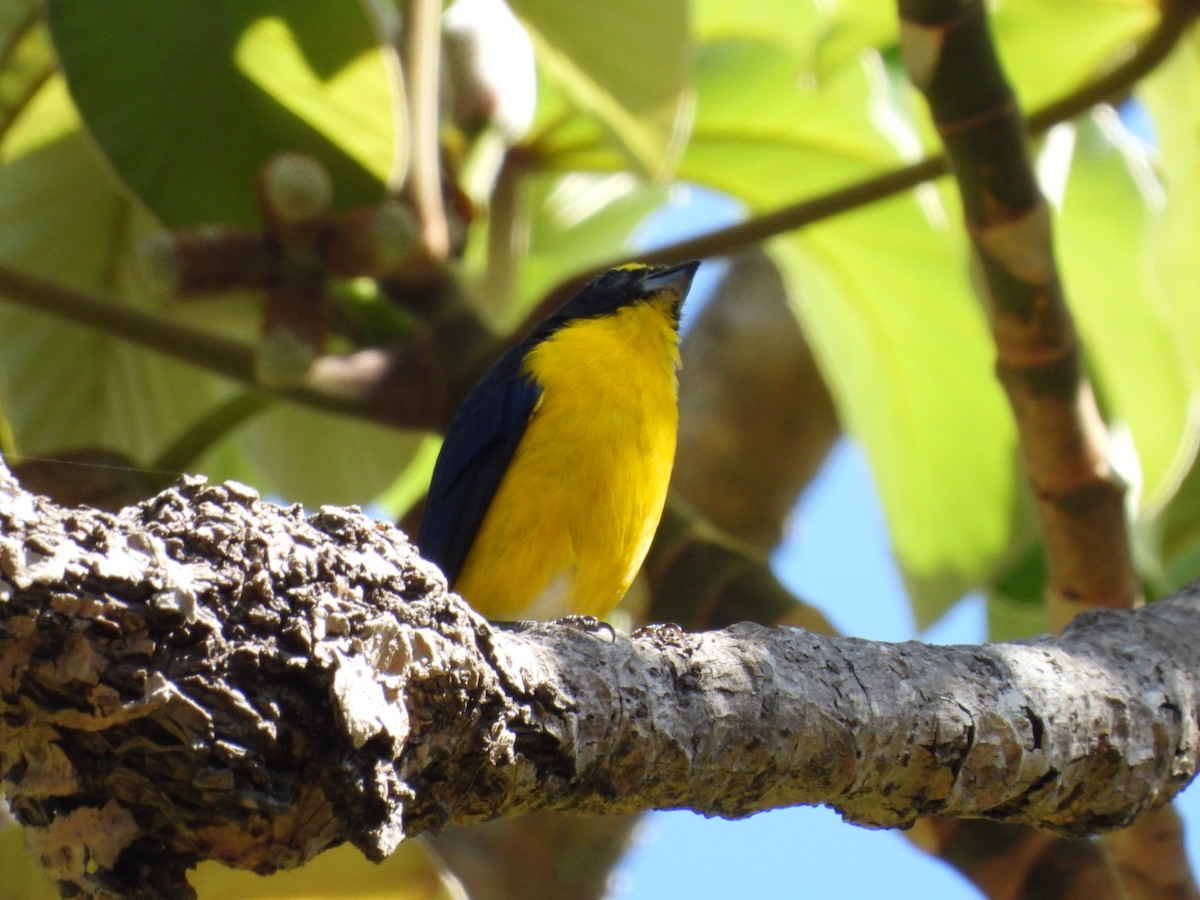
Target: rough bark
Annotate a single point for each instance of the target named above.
(206, 675)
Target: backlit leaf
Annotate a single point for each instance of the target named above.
(189, 100)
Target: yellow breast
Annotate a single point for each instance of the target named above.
(574, 515)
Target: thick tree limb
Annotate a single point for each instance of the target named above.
(210, 676)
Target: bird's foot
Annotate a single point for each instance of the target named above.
(588, 624)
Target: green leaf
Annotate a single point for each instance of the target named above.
(26, 58)
(886, 303)
(623, 64)
(788, 104)
(824, 35)
(209, 430)
(413, 482)
(23, 876)
(189, 100)
(1039, 58)
(782, 105)
(314, 457)
(411, 873)
(579, 221)
(1132, 337)
(1179, 534)
(573, 222)
(768, 135)
(1013, 619)
(65, 386)
(1172, 96)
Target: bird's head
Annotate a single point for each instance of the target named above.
(663, 287)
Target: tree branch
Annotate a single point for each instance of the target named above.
(1064, 442)
(401, 386)
(209, 676)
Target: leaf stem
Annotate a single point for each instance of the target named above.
(420, 54)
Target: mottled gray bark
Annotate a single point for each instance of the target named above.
(209, 676)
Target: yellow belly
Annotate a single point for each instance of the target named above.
(574, 515)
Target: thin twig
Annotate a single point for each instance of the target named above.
(1176, 16)
(218, 355)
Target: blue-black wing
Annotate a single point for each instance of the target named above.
(475, 455)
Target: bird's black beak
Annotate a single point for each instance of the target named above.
(677, 280)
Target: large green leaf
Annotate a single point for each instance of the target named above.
(314, 457)
(411, 485)
(1048, 47)
(64, 386)
(1133, 339)
(1179, 535)
(789, 105)
(823, 35)
(783, 104)
(623, 64)
(23, 876)
(26, 59)
(563, 224)
(577, 221)
(766, 136)
(188, 100)
(1016, 607)
(413, 872)
(886, 302)
(1172, 95)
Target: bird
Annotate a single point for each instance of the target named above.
(553, 474)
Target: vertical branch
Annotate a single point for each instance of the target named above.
(1064, 443)
(949, 55)
(420, 52)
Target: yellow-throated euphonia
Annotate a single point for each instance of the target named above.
(553, 475)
